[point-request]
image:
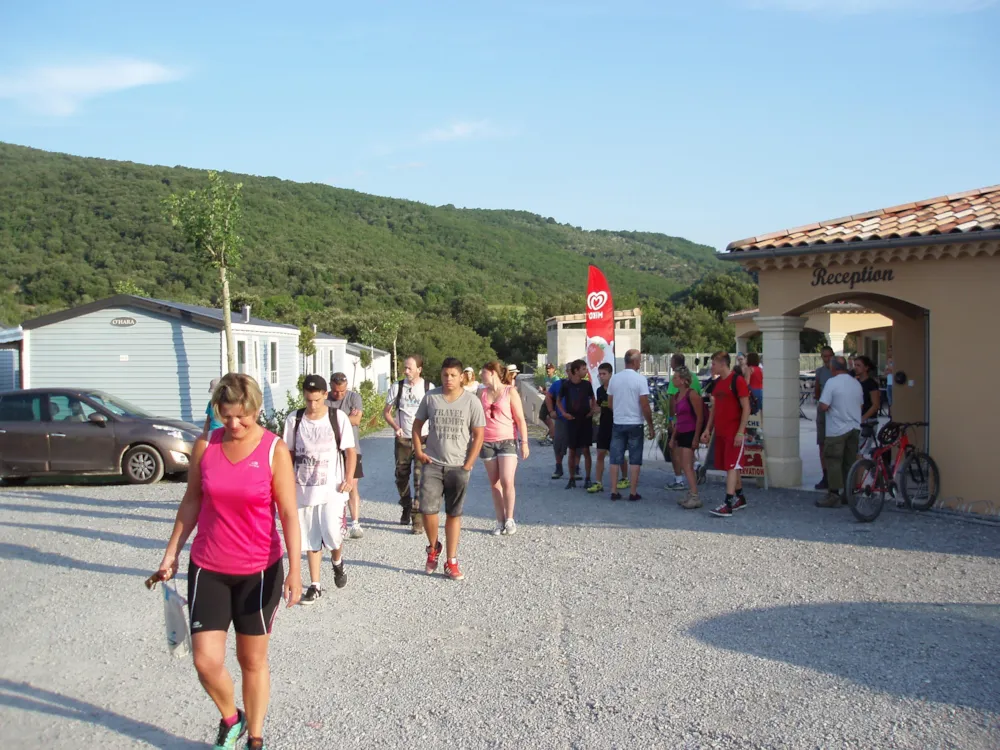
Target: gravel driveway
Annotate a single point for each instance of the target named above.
(596, 626)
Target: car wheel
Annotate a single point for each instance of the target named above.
(15, 481)
(142, 465)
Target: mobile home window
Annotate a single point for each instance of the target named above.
(273, 362)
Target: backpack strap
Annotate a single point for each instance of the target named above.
(399, 395)
(335, 424)
(299, 413)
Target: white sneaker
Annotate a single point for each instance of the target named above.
(498, 529)
(510, 528)
(677, 485)
(356, 531)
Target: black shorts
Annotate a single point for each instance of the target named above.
(359, 473)
(543, 412)
(250, 602)
(579, 433)
(685, 439)
(604, 436)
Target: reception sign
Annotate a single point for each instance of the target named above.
(600, 325)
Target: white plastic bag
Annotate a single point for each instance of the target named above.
(176, 620)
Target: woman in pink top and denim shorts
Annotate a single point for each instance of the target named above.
(504, 412)
(239, 475)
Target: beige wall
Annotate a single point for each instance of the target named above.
(961, 296)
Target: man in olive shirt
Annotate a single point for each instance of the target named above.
(823, 374)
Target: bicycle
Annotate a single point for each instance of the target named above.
(869, 479)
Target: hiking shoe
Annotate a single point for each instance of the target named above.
(832, 500)
(339, 576)
(356, 531)
(616, 496)
(723, 511)
(510, 528)
(739, 503)
(571, 484)
(691, 502)
(452, 570)
(634, 498)
(312, 594)
(594, 488)
(418, 523)
(498, 529)
(404, 517)
(624, 484)
(701, 473)
(822, 484)
(229, 736)
(432, 558)
(677, 485)
(557, 474)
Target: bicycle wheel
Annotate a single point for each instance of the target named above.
(865, 490)
(920, 481)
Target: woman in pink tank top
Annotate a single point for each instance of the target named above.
(239, 476)
(504, 415)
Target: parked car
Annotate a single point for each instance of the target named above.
(66, 431)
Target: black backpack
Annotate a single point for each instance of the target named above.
(754, 406)
(399, 391)
(334, 423)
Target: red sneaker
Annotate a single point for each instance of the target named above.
(452, 570)
(723, 511)
(432, 559)
(739, 503)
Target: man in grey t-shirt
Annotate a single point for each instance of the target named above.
(350, 403)
(457, 426)
(823, 374)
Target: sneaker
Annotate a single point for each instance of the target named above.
(558, 473)
(624, 484)
(356, 531)
(616, 496)
(691, 502)
(701, 473)
(339, 576)
(634, 498)
(831, 500)
(229, 736)
(510, 528)
(404, 517)
(432, 559)
(723, 511)
(498, 529)
(822, 485)
(312, 594)
(571, 484)
(677, 485)
(594, 488)
(452, 570)
(739, 502)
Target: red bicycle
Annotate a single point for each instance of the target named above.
(870, 479)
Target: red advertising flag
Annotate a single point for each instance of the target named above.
(600, 324)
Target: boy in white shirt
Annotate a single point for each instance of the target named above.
(321, 465)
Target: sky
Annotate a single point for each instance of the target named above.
(713, 120)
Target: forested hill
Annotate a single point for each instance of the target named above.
(72, 228)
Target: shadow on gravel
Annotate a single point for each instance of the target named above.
(30, 554)
(82, 513)
(25, 697)
(104, 536)
(95, 502)
(944, 653)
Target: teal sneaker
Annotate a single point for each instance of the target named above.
(229, 736)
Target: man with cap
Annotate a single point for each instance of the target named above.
(211, 421)
(324, 478)
(349, 402)
(543, 411)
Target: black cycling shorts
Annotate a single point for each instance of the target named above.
(250, 602)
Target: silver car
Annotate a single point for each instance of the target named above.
(64, 431)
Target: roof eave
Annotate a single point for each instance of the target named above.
(985, 235)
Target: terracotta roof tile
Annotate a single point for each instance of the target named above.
(972, 210)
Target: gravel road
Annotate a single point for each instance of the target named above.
(598, 625)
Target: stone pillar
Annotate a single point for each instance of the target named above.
(836, 340)
(781, 398)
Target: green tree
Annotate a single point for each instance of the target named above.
(307, 341)
(127, 286)
(209, 220)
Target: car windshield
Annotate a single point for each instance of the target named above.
(117, 406)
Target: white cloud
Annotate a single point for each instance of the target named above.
(857, 7)
(59, 90)
(461, 131)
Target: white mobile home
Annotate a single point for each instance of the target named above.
(380, 371)
(159, 355)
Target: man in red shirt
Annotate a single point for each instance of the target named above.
(728, 417)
